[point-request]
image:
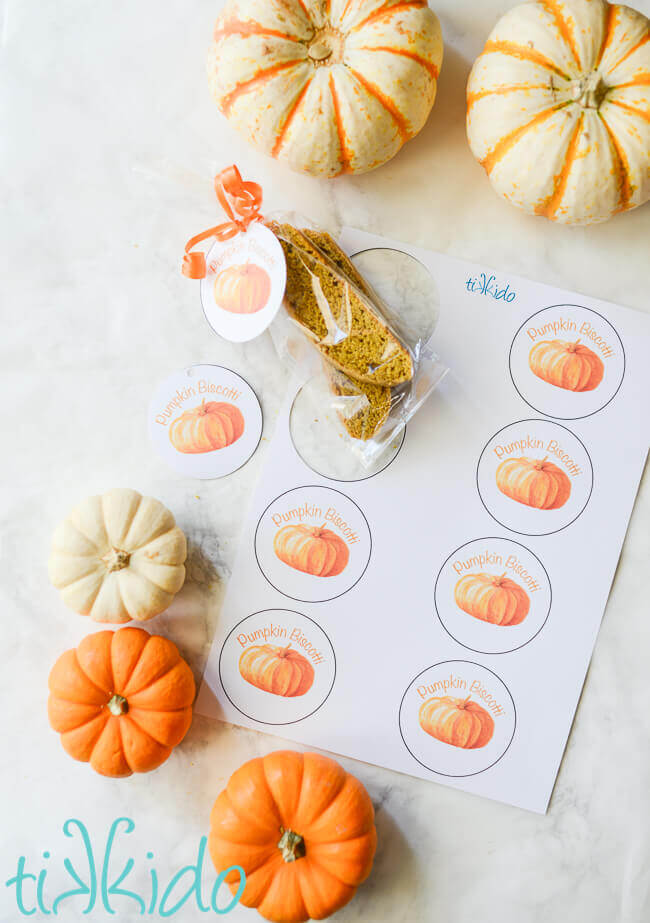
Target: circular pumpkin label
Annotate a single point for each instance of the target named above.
(244, 283)
(493, 595)
(534, 477)
(313, 543)
(205, 421)
(277, 666)
(457, 718)
(567, 361)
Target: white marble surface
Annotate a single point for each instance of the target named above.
(110, 142)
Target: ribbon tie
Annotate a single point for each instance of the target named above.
(241, 201)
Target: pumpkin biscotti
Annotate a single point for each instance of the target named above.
(373, 401)
(368, 406)
(346, 330)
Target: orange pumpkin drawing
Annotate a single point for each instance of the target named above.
(242, 289)
(497, 600)
(313, 550)
(278, 670)
(210, 426)
(458, 722)
(571, 366)
(535, 482)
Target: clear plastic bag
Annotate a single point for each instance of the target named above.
(367, 367)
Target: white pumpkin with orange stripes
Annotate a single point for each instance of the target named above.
(559, 109)
(329, 86)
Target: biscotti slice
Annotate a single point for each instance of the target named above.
(368, 406)
(330, 248)
(338, 318)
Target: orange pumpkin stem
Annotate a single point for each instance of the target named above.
(540, 464)
(292, 846)
(284, 650)
(499, 580)
(202, 409)
(463, 703)
(572, 346)
(118, 705)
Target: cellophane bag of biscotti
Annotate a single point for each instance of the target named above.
(369, 371)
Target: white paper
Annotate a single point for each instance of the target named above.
(382, 629)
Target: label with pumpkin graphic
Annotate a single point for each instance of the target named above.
(493, 595)
(457, 718)
(534, 477)
(205, 421)
(277, 666)
(567, 361)
(313, 543)
(244, 283)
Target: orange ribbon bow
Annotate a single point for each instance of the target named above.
(241, 202)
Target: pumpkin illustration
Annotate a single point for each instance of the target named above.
(277, 669)
(458, 722)
(210, 426)
(566, 365)
(558, 109)
(242, 289)
(497, 600)
(302, 829)
(118, 557)
(329, 88)
(313, 550)
(534, 482)
(121, 701)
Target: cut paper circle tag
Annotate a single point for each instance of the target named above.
(244, 283)
(205, 421)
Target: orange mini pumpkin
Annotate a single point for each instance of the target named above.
(210, 426)
(312, 550)
(497, 600)
(458, 722)
(303, 830)
(121, 701)
(535, 482)
(242, 289)
(276, 669)
(571, 366)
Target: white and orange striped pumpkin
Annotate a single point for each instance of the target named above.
(329, 86)
(559, 109)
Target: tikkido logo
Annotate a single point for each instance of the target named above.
(488, 286)
(99, 883)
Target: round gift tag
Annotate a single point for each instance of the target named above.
(205, 421)
(567, 362)
(313, 543)
(244, 283)
(457, 718)
(277, 666)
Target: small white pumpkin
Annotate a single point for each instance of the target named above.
(329, 86)
(118, 557)
(558, 109)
